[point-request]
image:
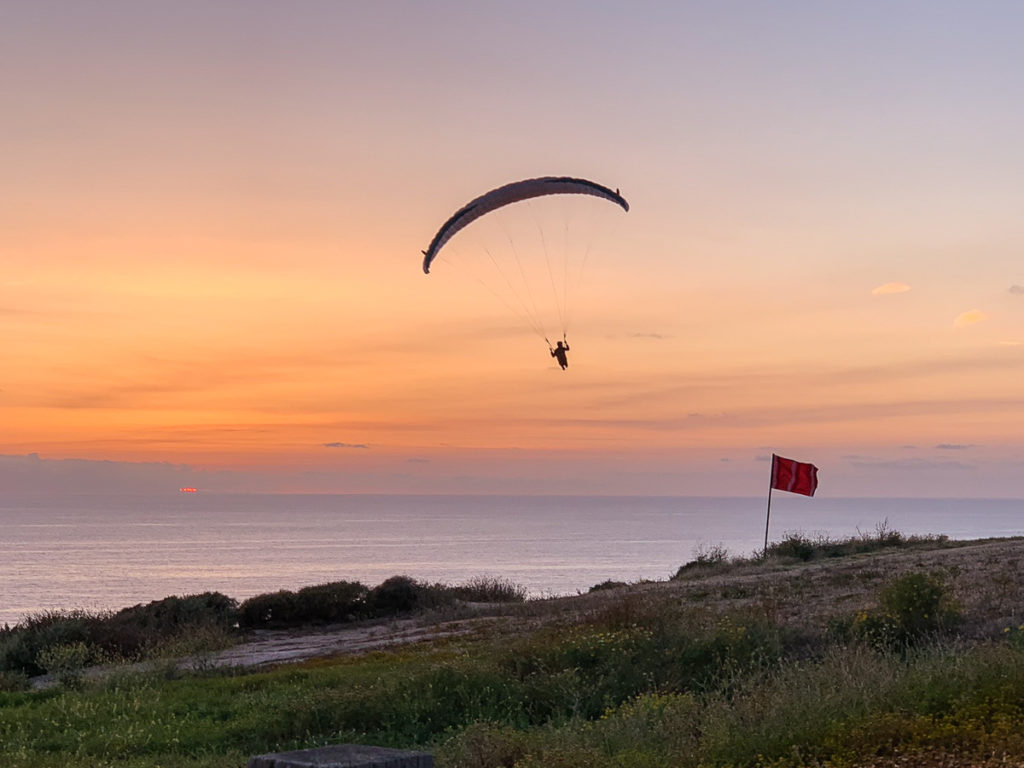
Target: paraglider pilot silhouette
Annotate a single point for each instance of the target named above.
(559, 352)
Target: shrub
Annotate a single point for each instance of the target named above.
(920, 603)
(12, 681)
(172, 615)
(198, 641)
(484, 589)
(609, 584)
(21, 646)
(342, 601)
(134, 631)
(842, 629)
(1015, 636)
(704, 557)
(794, 545)
(335, 601)
(488, 744)
(272, 609)
(399, 594)
(888, 537)
(913, 607)
(66, 663)
(125, 634)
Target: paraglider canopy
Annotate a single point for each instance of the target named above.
(514, 193)
(530, 254)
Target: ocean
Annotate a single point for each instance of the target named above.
(109, 552)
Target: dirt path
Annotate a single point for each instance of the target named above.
(278, 646)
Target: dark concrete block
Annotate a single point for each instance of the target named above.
(344, 756)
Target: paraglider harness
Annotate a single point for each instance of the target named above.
(560, 352)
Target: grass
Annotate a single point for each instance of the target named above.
(631, 677)
(472, 711)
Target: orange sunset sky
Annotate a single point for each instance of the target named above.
(211, 218)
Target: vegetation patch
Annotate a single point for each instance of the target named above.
(608, 584)
(705, 558)
(336, 601)
(913, 607)
(192, 624)
(128, 634)
(800, 546)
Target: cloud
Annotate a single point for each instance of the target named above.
(346, 445)
(954, 446)
(639, 335)
(1009, 343)
(889, 288)
(910, 465)
(969, 317)
(1017, 290)
(32, 473)
(417, 461)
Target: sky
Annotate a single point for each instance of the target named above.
(212, 213)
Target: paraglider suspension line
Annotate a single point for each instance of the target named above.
(547, 261)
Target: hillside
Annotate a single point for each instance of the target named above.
(908, 653)
(985, 578)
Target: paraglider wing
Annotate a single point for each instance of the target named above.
(514, 193)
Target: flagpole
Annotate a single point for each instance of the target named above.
(768, 516)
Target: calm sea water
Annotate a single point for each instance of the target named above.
(103, 552)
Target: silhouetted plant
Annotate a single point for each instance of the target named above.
(398, 594)
(21, 645)
(485, 589)
(271, 609)
(171, 614)
(126, 634)
(335, 601)
(704, 557)
(794, 545)
(609, 584)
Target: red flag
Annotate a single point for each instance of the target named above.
(794, 476)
